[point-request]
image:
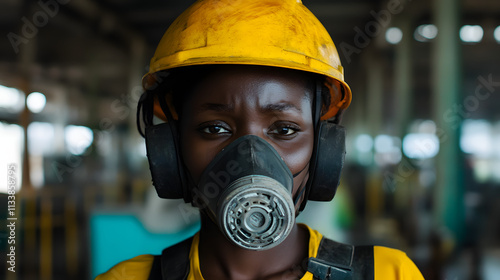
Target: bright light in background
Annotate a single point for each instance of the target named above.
(476, 138)
(387, 150)
(11, 152)
(481, 139)
(141, 150)
(425, 32)
(427, 126)
(393, 35)
(429, 31)
(78, 138)
(420, 145)
(383, 143)
(363, 143)
(482, 170)
(496, 170)
(36, 102)
(11, 99)
(496, 139)
(496, 34)
(41, 138)
(471, 33)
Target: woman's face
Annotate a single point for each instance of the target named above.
(232, 101)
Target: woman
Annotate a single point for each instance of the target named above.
(252, 93)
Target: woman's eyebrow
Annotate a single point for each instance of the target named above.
(280, 107)
(277, 107)
(217, 107)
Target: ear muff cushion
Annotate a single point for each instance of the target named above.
(163, 161)
(330, 154)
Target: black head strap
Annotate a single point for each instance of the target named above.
(162, 144)
(145, 111)
(175, 132)
(316, 111)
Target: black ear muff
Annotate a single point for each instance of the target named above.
(164, 164)
(328, 160)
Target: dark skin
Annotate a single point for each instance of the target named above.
(233, 101)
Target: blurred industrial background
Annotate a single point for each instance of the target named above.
(422, 171)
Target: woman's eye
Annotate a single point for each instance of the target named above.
(284, 130)
(214, 129)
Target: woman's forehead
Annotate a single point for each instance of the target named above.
(273, 83)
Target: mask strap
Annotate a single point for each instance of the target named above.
(297, 174)
(299, 195)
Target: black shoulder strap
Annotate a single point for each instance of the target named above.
(173, 264)
(334, 261)
(341, 261)
(155, 273)
(363, 262)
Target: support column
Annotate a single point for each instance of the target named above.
(374, 118)
(374, 90)
(446, 66)
(27, 194)
(404, 190)
(403, 75)
(27, 56)
(137, 70)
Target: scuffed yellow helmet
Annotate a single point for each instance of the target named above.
(279, 33)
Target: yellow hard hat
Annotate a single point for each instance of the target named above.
(279, 33)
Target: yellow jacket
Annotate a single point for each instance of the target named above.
(388, 264)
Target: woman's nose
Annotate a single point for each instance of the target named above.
(251, 128)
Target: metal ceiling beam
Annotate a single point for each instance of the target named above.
(336, 10)
(109, 22)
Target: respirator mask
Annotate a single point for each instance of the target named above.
(247, 191)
